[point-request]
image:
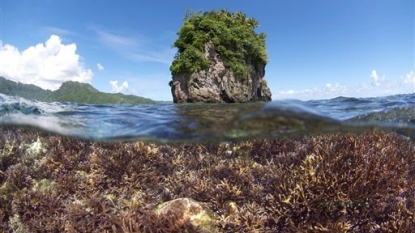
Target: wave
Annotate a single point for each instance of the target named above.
(212, 122)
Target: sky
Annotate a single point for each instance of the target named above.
(316, 49)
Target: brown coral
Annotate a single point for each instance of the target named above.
(331, 183)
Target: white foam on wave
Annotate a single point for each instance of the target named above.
(53, 107)
(45, 122)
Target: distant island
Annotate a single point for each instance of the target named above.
(70, 91)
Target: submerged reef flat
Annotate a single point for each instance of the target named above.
(328, 183)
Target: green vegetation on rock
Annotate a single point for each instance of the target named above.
(69, 92)
(232, 35)
(28, 91)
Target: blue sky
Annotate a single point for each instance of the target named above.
(316, 49)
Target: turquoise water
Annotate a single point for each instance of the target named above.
(213, 122)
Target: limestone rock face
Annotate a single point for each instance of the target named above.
(187, 209)
(218, 84)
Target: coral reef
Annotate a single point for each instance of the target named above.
(328, 183)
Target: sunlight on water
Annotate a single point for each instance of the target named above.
(212, 122)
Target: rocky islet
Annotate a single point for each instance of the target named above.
(218, 84)
(220, 59)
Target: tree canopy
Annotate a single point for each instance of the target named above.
(233, 36)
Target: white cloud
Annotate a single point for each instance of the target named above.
(376, 87)
(135, 47)
(154, 86)
(115, 41)
(46, 65)
(100, 67)
(117, 89)
(409, 78)
(328, 91)
(408, 81)
(59, 31)
(376, 81)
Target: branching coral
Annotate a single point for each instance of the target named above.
(331, 183)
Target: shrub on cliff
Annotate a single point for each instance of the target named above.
(233, 36)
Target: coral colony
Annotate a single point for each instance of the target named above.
(330, 183)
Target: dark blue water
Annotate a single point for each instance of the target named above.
(213, 122)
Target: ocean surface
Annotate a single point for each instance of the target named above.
(213, 122)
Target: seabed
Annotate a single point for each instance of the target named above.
(328, 183)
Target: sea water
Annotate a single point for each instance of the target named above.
(200, 122)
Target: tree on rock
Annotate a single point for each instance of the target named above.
(224, 48)
(233, 36)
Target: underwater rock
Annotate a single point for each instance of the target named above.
(187, 209)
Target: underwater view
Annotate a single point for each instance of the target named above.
(337, 165)
(207, 116)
